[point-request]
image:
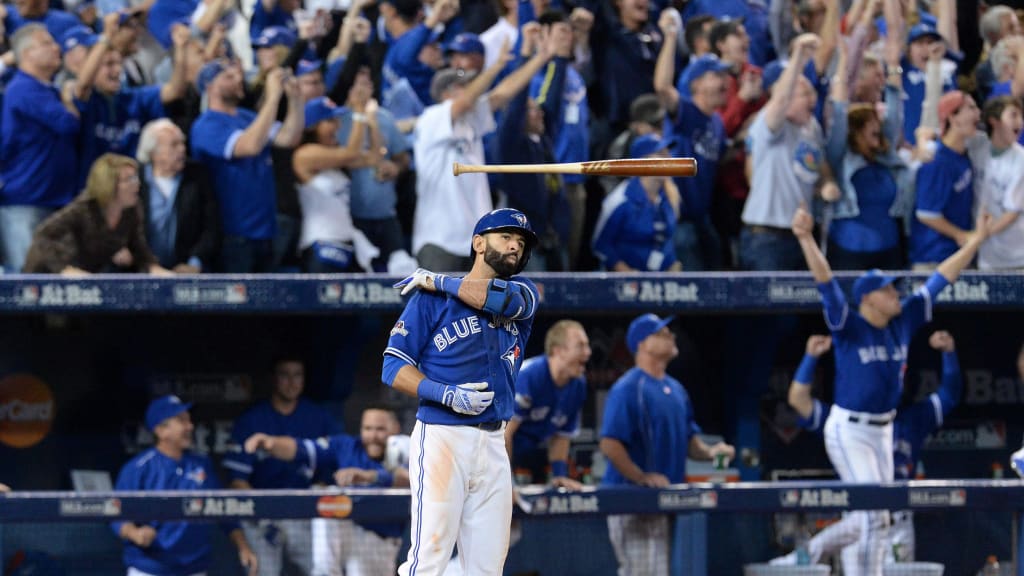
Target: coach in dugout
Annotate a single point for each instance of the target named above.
(648, 431)
(172, 548)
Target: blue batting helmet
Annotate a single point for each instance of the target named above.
(511, 220)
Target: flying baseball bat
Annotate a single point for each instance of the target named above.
(628, 167)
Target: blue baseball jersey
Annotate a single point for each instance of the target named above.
(870, 360)
(37, 145)
(452, 343)
(654, 421)
(702, 137)
(327, 455)
(179, 547)
(113, 123)
(307, 421)
(634, 230)
(245, 186)
(945, 187)
(544, 409)
(913, 424)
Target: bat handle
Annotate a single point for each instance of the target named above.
(457, 168)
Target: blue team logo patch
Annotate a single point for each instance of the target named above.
(520, 218)
(399, 328)
(807, 162)
(511, 356)
(197, 475)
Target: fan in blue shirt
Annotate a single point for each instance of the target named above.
(550, 392)
(113, 115)
(57, 22)
(638, 219)
(945, 186)
(285, 414)
(342, 460)
(172, 548)
(234, 144)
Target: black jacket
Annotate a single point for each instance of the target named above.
(199, 231)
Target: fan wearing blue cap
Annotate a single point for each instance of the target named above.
(465, 52)
(75, 45)
(234, 144)
(638, 219)
(648, 431)
(415, 53)
(693, 105)
(329, 240)
(112, 113)
(310, 75)
(458, 347)
(871, 337)
(924, 44)
(172, 547)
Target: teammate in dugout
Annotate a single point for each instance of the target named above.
(871, 347)
(458, 347)
(648, 431)
(913, 423)
(172, 548)
(550, 393)
(342, 546)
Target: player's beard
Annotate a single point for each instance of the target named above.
(499, 262)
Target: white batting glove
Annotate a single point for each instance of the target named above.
(421, 278)
(468, 398)
(1017, 462)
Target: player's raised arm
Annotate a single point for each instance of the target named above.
(280, 447)
(803, 228)
(799, 396)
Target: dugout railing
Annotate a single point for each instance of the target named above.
(561, 532)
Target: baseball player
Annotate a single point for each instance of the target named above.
(341, 546)
(172, 548)
(647, 432)
(912, 426)
(286, 413)
(550, 393)
(871, 349)
(458, 347)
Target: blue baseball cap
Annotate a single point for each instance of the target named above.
(649, 144)
(307, 67)
(467, 43)
(274, 36)
(208, 72)
(78, 36)
(771, 73)
(922, 30)
(698, 67)
(320, 109)
(163, 408)
(869, 282)
(642, 327)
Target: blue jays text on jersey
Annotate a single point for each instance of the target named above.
(452, 343)
(870, 360)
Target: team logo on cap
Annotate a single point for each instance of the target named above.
(521, 218)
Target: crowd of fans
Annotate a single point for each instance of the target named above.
(137, 136)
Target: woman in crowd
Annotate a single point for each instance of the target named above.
(102, 230)
(330, 242)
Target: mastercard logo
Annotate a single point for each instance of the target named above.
(334, 506)
(26, 410)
